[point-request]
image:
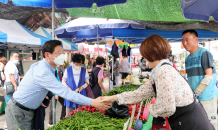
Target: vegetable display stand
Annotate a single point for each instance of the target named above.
(3, 107)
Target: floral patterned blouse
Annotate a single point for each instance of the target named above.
(172, 91)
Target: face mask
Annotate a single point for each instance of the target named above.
(77, 67)
(15, 61)
(59, 60)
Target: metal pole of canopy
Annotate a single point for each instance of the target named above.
(130, 62)
(112, 77)
(107, 63)
(97, 39)
(53, 99)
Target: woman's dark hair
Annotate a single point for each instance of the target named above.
(49, 46)
(83, 59)
(99, 60)
(77, 58)
(142, 59)
(155, 48)
(3, 60)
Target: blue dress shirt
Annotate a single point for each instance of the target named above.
(40, 79)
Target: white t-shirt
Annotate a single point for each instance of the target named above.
(76, 75)
(11, 68)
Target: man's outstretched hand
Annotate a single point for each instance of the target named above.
(102, 105)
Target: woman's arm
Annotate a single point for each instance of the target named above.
(142, 93)
(64, 80)
(165, 81)
(2, 75)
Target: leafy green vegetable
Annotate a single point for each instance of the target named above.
(123, 88)
(84, 120)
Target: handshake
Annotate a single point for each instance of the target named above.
(104, 103)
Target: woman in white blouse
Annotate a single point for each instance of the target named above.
(174, 97)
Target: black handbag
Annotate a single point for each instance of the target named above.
(10, 88)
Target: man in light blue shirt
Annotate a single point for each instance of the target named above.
(35, 85)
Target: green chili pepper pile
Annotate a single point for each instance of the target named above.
(121, 89)
(84, 120)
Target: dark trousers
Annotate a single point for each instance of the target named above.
(39, 118)
(63, 111)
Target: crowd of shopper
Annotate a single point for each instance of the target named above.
(175, 97)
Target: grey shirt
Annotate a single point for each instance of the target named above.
(125, 65)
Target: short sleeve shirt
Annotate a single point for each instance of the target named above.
(196, 65)
(100, 73)
(11, 68)
(125, 65)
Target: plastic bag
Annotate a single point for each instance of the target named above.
(148, 123)
(117, 111)
(114, 51)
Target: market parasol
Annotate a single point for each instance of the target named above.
(94, 28)
(200, 9)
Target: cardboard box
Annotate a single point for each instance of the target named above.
(183, 72)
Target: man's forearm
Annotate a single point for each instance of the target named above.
(202, 86)
(13, 81)
(206, 81)
(102, 87)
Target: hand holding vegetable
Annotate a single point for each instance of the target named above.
(109, 99)
(101, 105)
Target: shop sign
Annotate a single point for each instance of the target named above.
(22, 48)
(36, 51)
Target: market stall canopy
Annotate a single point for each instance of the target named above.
(67, 45)
(137, 36)
(200, 9)
(148, 10)
(65, 3)
(13, 32)
(90, 27)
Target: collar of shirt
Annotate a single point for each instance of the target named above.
(158, 66)
(48, 65)
(98, 66)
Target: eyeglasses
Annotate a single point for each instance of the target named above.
(59, 53)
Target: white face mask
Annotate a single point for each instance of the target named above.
(59, 60)
(77, 67)
(15, 61)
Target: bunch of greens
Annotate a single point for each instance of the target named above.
(84, 120)
(123, 88)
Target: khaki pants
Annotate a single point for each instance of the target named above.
(210, 107)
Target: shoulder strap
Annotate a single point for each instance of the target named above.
(56, 73)
(97, 70)
(180, 75)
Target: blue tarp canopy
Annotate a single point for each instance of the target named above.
(137, 36)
